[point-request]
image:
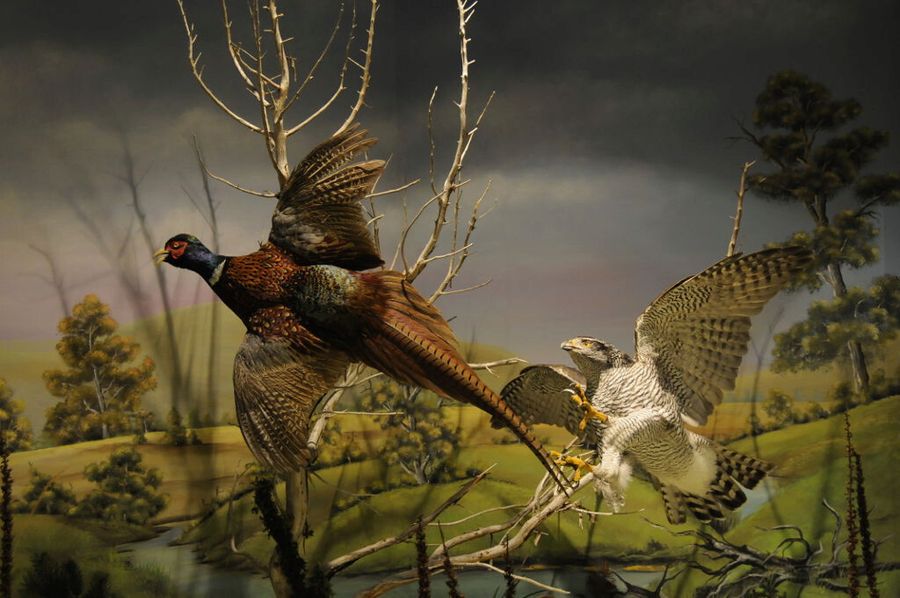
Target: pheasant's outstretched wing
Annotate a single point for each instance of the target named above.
(697, 331)
(318, 218)
(540, 395)
(277, 383)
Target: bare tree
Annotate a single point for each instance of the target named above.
(734, 570)
(56, 279)
(132, 181)
(209, 211)
(267, 69)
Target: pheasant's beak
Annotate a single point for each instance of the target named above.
(160, 256)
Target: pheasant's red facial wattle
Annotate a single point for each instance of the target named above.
(176, 249)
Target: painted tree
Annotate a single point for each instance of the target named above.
(15, 428)
(418, 438)
(867, 317)
(779, 406)
(101, 388)
(126, 490)
(817, 164)
(46, 496)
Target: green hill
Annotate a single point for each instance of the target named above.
(809, 458)
(810, 464)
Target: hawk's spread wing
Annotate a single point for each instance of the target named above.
(539, 396)
(697, 331)
(277, 384)
(318, 218)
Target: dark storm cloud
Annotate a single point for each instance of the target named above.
(607, 139)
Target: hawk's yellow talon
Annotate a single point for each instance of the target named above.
(579, 465)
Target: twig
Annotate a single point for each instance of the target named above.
(197, 71)
(336, 565)
(266, 194)
(732, 244)
(365, 76)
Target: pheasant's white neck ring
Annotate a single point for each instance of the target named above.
(216, 274)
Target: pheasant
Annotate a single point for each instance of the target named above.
(312, 304)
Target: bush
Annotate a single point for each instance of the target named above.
(178, 434)
(46, 497)
(844, 397)
(50, 578)
(126, 491)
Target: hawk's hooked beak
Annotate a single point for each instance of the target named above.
(160, 256)
(570, 345)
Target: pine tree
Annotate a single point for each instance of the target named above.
(101, 388)
(15, 428)
(800, 132)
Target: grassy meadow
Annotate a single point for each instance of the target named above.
(810, 460)
(809, 457)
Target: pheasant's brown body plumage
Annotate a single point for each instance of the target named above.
(310, 311)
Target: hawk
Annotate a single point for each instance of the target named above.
(688, 347)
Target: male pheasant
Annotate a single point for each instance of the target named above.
(310, 310)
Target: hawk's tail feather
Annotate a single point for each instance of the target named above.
(704, 508)
(747, 470)
(676, 510)
(725, 490)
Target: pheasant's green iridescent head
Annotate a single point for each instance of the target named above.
(186, 251)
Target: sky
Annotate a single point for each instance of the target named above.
(608, 144)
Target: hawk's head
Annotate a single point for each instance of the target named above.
(597, 352)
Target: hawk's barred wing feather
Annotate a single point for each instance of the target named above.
(539, 395)
(697, 331)
(318, 218)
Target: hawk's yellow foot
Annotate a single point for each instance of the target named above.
(579, 465)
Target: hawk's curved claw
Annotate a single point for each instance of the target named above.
(580, 465)
(589, 411)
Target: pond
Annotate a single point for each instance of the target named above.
(196, 579)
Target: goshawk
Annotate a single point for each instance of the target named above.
(688, 346)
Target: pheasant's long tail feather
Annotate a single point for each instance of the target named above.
(748, 471)
(411, 342)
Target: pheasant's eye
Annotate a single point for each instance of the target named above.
(176, 249)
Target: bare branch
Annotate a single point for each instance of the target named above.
(742, 189)
(336, 565)
(477, 515)
(234, 50)
(522, 578)
(462, 141)
(454, 266)
(403, 187)
(311, 73)
(248, 191)
(340, 86)
(194, 61)
(365, 76)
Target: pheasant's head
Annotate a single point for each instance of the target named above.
(585, 350)
(186, 251)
